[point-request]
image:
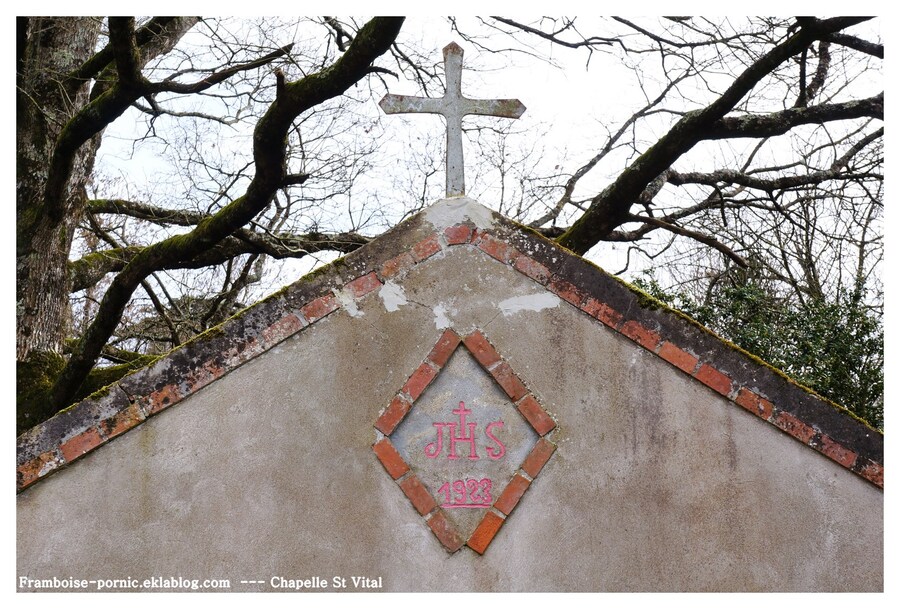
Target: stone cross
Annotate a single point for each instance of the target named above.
(453, 106)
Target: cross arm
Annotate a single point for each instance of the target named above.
(399, 104)
(507, 108)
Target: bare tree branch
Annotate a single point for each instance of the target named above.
(154, 28)
(857, 44)
(91, 268)
(610, 208)
(674, 43)
(217, 77)
(99, 113)
(684, 232)
(779, 123)
(783, 182)
(374, 39)
(154, 109)
(554, 36)
(572, 182)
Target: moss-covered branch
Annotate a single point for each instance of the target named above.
(143, 211)
(91, 268)
(779, 123)
(100, 112)
(857, 44)
(154, 28)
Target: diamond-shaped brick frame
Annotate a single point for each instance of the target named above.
(525, 402)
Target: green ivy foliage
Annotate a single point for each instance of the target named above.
(835, 348)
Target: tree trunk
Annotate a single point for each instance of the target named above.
(47, 50)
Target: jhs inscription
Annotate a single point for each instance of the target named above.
(469, 493)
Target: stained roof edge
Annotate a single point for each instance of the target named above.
(797, 410)
(679, 329)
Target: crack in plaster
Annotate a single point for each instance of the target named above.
(376, 328)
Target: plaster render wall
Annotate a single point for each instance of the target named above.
(658, 483)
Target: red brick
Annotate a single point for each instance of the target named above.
(677, 357)
(455, 235)
(593, 307)
(509, 381)
(538, 457)
(240, 352)
(444, 531)
(567, 291)
(714, 379)
(244, 351)
(392, 415)
(483, 351)
(497, 249)
(281, 329)
(795, 427)
(122, 421)
(361, 286)
(163, 398)
(641, 335)
(36, 468)
(603, 312)
(512, 493)
(836, 452)
(390, 458)
(426, 248)
(873, 472)
(444, 348)
(203, 376)
(536, 415)
(533, 269)
(319, 308)
(83, 443)
(484, 534)
(418, 494)
(756, 404)
(419, 380)
(397, 265)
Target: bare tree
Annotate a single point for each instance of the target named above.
(757, 143)
(768, 174)
(69, 93)
(783, 81)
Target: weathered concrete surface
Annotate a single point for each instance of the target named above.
(658, 482)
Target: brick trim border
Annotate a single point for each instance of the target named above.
(693, 350)
(683, 357)
(401, 404)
